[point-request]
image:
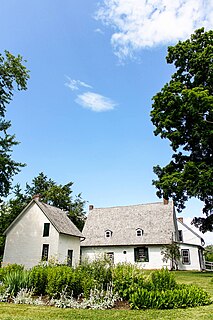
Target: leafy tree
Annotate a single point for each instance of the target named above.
(51, 193)
(183, 113)
(171, 252)
(13, 75)
(208, 253)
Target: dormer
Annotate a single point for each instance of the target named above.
(139, 232)
(108, 233)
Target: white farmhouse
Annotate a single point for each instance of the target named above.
(42, 232)
(137, 233)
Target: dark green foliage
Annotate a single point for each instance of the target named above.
(8, 269)
(13, 75)
(183, 113)
(60, 278)
(52, 280)
(162, 280)
(208, 253)
(182, 297)
(156, 290)
(38, 278)
(125, 278)
(14, 278)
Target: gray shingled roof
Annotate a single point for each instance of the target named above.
(155, 219)
(59, 219)
(56, 216)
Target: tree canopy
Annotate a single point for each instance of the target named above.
(13, 75)
(50, 192)
(183, 113)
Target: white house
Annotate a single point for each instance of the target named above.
(42, 232)
(133, 234)
(137, 233)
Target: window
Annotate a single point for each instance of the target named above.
(69, 257)
(110, 255)
(180, 235)
(185, 256)
(46, 230)
(108, 233)
(139, 232)
(45, 251)
(141, 254)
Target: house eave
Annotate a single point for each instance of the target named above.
(125, 245)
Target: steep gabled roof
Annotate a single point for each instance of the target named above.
(155, 219)
(56, 216)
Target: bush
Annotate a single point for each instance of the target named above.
(162, 280)
(126, 278)
(38, 278)
(8, 269)
(59, 278)
(182, 297)
(15, 280)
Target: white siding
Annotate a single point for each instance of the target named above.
(25, 239)
(193, 256)
(188, 235)
(69, 243)
(155, 257)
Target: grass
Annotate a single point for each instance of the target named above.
(25, 312)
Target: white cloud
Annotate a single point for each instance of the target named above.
(140, 24)
(76, 84)
(98, 30)
(95, 102)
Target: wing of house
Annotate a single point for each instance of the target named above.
(191, 246)
(135, 234)
(41, 232)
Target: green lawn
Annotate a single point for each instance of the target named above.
(25, 312)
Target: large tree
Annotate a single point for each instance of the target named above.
(183, 113)
(13, 75)
(51, 193)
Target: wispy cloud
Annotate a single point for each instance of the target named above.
(98, 30)
(140, 24)
(95, 102)
(76, 84)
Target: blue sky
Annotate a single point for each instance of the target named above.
(94, 68)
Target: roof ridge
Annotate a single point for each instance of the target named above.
(133, 205)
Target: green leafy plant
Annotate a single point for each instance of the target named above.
(16, 280)
(162, 280)
(182, 297)
(38, 278)
(125, 278)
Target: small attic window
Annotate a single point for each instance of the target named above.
(139, 232)
(108, 234)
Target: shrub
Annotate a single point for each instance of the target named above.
(182, 297)
(8, 269)
(38, 278)
(162, 280)
(15, 280)
(59, 278)
(126, 278)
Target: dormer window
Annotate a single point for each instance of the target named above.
(108, 234)
(139, 232)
